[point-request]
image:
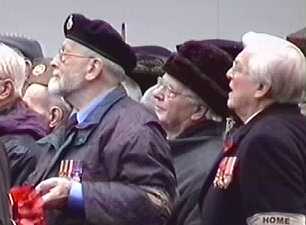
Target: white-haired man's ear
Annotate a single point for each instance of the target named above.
(7, 88)
(263, 90)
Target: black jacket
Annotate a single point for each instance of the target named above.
(269, 174)
(20, 127)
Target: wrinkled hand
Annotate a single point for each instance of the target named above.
(55, 192)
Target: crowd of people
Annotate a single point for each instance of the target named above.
(114, 134)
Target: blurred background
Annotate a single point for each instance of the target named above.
(159, 22)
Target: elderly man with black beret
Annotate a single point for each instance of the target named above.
(190, 102)
(112, 165)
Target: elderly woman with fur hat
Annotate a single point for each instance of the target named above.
(190, 102)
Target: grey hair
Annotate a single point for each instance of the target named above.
(209, 114)
(13, 66)
(277, 63)
(112, 67)
(132, 88)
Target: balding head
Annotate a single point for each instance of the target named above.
(53, 107)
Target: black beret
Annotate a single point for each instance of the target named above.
(150, 62)
(30, 48)
(100, 37)
(202, 67)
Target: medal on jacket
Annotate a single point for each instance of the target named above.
(225, 172)
(226, 167)
(72, 169)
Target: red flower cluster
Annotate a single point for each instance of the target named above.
(27, 206)
(229, 147)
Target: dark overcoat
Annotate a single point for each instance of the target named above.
(20, 127)
(127, 173)
(194, 153)
(269, 175)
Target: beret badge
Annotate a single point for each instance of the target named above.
(69, 23)
(39, 69)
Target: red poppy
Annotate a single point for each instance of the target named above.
(27, 206)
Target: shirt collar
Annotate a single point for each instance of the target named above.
(83, 114)
(253, 115)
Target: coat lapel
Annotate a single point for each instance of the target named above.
(80, 134)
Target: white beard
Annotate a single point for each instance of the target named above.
(54, 86)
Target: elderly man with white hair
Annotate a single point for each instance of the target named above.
(19, 125)
(260, 177)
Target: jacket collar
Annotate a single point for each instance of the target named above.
(274, 109)
(204, 128)
(102, 108)
(58, 137)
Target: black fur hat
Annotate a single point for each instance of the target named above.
(202, 67)
(299, 39)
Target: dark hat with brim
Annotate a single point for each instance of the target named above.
(202, 67)
(150, 61)
(100, 37)
(299, 39)
(30, 48)
(41, 73)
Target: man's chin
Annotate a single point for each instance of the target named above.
(55, 90)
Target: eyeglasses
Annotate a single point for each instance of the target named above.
(62, 54)
(169, 92)
(236, 70)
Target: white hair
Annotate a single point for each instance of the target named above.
(132, 88)
(12, 66)
(113, 68)
(278, 63)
